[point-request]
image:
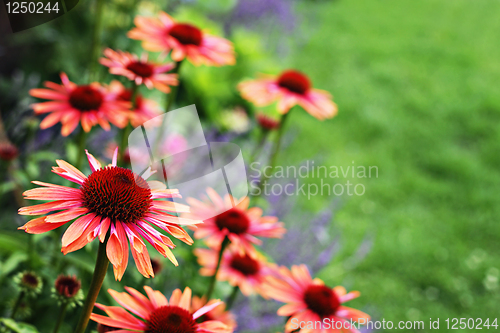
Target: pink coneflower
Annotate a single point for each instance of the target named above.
(163, 34)
(144, 109)
(218, 313)
(67, 286)
(240, 224)
(310, 300)
(8, 151)
(242, 270)
(158, 314)
(110, 198)
(289, 89)
(71, 104)
(266, 122)
(140, 70)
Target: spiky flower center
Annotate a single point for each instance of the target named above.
(322, 300)
(67, 286)
(245, 264)
(116, 193)
(141, 69)
(86, 98)
(186, 34)
(170, 319)
(294, 81)
(234, 220)
(30, 280)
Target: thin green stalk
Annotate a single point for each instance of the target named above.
(62, 314)
(211, 287)
(173, 92)
(101, 267)
(274, 155)
(232, 297)
(80, 141)
(264, 133)
(124, 132)
(170, 99)
(96, 40)
(18, 304)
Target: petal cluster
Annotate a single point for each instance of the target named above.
(163, 34)
(72, 104)
(98, 217)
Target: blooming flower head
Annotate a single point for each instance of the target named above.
(158, 314)
(246, 272)
(290, 88)
(110, 198)
(240, 224)
(310, 300)
(141, 71)
(163, 34)
(218, 313)
(72, 104)
(144, 109)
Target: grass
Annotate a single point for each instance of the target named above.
(417, 87)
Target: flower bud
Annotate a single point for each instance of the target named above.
(266, 122)
(67, 286)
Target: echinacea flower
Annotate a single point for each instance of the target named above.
(266, 122)
(310, 300)
(67, 286)
(29, 283)
(290, 88)
(242, 270)
(143, 110)
(72, 104)
(163, 34)
(240, 224)
(8, 151)
(110, 198)
(218, 313)
(67, 290)
(157, 314)
(141, 71)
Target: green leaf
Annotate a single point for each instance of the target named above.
(11, 242)
(17, 327)
(11, 264)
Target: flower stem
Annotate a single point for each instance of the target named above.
(81, 139)
(274, 155)
(211, 287)
(257, 149)
(18, 304)
(62, 314)
(230, 300)
(96, 40)
(173, 92)
(101, 267)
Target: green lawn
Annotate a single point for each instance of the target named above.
(417, 87)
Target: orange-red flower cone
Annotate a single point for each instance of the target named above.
(309, 300)
(71, 104)
(157, 314)
(109, 199)
(163, 34)
(290, 88)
